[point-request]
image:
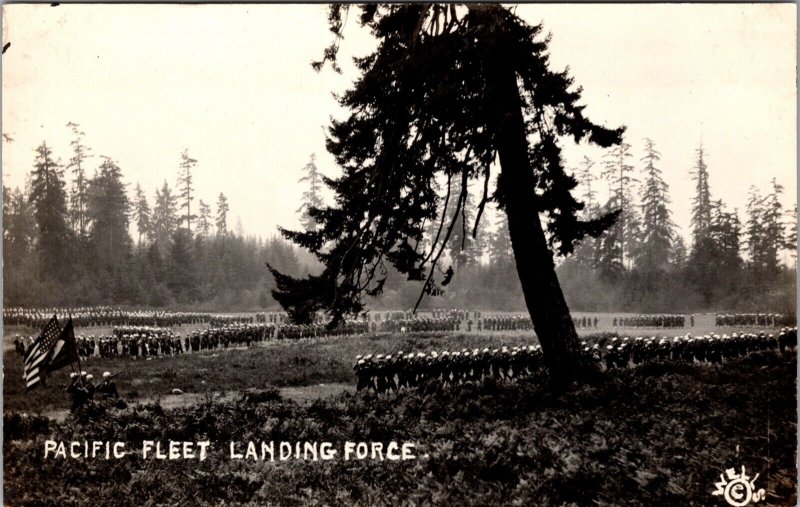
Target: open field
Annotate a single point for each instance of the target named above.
(282, 364)
(664, 432)
(274, 364)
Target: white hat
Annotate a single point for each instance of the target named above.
(106, 374)
(73, 375)
(89, 376)
(83, 373)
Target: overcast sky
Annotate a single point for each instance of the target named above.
(233, 85)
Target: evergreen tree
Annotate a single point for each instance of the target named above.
(791, 232)
(678, 253)
(239, 228)
(585, 252)
(222, 215)
(19, 235)
(204, 220)
(49, 202)
(446, 93)
(312, 197)
(107, 211)
(185, 186)
(78, 197)
(19, 223)
(701, 203)
(619, 173)
(724, 232)
(181, 277)
(754, 229)
(657, 226)
(141, 214)
(165, 218)
(587, 179)
(500, 251)
(704, 248)
(772, 225)
(608, 258)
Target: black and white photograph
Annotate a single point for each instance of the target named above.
(399, 254)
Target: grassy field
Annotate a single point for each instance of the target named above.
(657, 435)
(273, 364)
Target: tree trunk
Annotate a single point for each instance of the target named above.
(535, 267)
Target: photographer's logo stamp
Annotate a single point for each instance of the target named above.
(737, 488)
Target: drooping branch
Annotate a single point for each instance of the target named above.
(443, 245)
(483, 202)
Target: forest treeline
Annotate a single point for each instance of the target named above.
(67, 240)
(74, 239)
(642, 264)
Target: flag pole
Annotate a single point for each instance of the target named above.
(44, 375)
(69, 313)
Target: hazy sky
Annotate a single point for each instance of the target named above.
(233, 85)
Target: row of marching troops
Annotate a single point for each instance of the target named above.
(710, 348)
(585, 322)
(505, 323)
(417, 324)
(228, 336)
(296, 331)
(108, 316)
(394, 315)
(247, 334)
(755, 320)
(651, 320)
(382, 373)
(147, 341)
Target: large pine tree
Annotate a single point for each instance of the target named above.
(78, 193)
(701, 202)
(657, 225)
(107, 211)
(49, 200)
(618, 171)
(165, 219)
(185, 187)
(754, 229)
(222, 215)
(449, 91)
(141, 214)
(772, 223)
(312, 196)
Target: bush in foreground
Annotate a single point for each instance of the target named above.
(660, 436)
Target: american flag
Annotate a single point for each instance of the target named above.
(36, 356)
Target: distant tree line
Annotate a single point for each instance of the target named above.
(70, 238)
(67, 240)
(641, 264)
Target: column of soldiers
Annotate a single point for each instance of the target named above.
(506, 323)
(320, 330)
(108, 316)
(585, 322)
(392, 372)
(651, 320)
(144, 342)
(454, 313)
(409, 370)
(420, 324)
(229, 336)
(755, 320)
(148, 342)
